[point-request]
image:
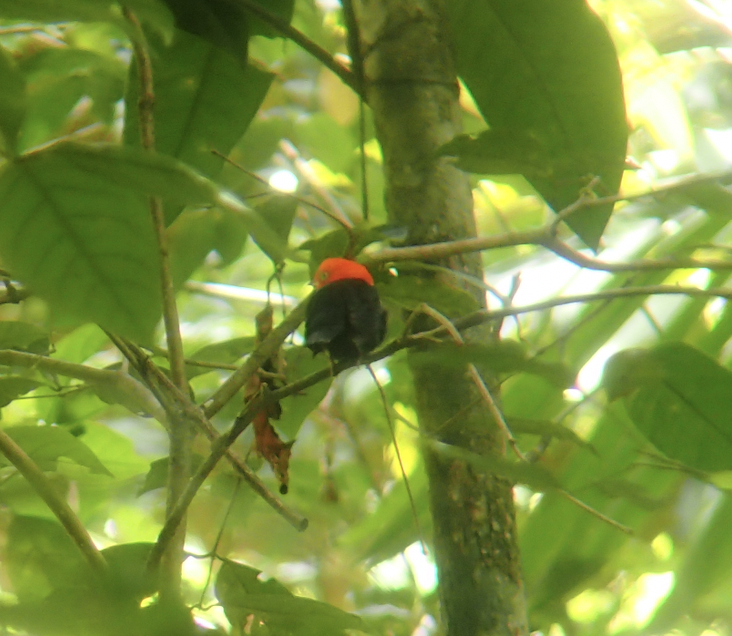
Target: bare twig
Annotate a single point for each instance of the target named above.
(342, 221)
(319, 53)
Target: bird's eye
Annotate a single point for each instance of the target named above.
(324, 276)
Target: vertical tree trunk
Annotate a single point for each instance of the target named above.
(411, 87)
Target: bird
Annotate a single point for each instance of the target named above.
(345, 316)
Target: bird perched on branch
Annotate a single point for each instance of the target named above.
(344, 316)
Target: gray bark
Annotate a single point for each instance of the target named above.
(411, 87)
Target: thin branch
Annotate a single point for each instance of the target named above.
(299, 38)
(343, 222)
(180, 432)
(546, 236)
(387, 412)
(219, 448)
(256, 359)
(57, 504)
(178, 403)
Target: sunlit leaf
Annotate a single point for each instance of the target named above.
(12, 387)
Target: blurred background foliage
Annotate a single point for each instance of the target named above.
(298, 130)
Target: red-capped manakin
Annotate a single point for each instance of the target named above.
(344, 316)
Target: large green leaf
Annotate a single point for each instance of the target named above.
(548, 71)
(77, 229)
(680, 399)
(204, 101)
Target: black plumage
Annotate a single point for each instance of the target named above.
(345, 318)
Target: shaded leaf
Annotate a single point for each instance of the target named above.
(505, 356)
(680, 399)
(152, 12)
(157, 476)
(546, 428)
(40, 557)
(532, 475)
(77, 229)
(278, 212)
(559, 82)
(12, 101)
(242, 593)
(204, 100)
(409, 292)
(225, 352)
(300, 362)
(500, 151)
(45, 444)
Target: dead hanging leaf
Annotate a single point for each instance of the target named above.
(267, 441)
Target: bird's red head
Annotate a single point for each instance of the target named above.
(334, 269)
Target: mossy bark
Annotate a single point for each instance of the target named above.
(411, 85)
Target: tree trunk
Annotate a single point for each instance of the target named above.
(411, 87)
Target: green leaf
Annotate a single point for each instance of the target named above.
(77, 229)
(300, 362)
(57, 78)
(152, 12)
(409, 292)
(706, 563)
(225, 352)
(330, 143)
(82, 243)
(536, 477)
(39, 557)
(549, 71)
(278, 212)
(500, 151)
(23, 336)
(52, 11)
(242, 593)
(505, 356)
(333, 243)
(12, 387)
(204, 100)
(545, 428)
(391, 527)
(128, 576)
(190, 239)
(157, 476)
(680, 399)
(12, 101)
(45, 444)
